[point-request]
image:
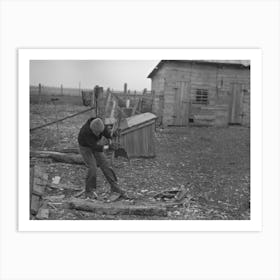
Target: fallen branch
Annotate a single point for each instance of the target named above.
(166, 194)
(79, 193)
(117, 208)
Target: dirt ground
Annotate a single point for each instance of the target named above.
(213, 163)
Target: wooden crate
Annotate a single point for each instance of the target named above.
(137, 135)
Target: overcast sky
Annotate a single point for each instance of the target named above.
(105, 73)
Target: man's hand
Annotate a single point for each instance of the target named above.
(105, 148)
(111, 147)
(114, 146)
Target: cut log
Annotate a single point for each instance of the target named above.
(60, 157)
(68, 150)
(117, 208)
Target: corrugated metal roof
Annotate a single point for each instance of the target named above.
(242, 63)
(136, 120)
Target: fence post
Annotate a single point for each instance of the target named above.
(39, 92)
(125, 88)
(107, 102)
(56, 118)
(61, 89)
(94, 100)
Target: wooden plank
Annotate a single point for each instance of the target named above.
(31, 179)
(175, 105)
(129, 130)
(39, 183)
(236, 103)
(35, 204)
(239, 103)
(137, 120)
(40, 180)
(186, 104)
(120, 208)
(135, 107)
(107, 104)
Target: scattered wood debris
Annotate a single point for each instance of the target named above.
(43, 213)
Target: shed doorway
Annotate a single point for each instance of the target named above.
(235, 104)
(181, 104)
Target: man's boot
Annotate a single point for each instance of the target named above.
(115, 188)
(90, 188)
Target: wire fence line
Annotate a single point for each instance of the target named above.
(60, 120)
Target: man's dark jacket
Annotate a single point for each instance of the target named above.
(87, 138)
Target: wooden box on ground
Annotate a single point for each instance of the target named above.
(137, 135)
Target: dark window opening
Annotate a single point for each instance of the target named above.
(201, 96)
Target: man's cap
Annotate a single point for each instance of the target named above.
(97, 126)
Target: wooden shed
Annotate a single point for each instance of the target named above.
(137, 135)
(215, 92)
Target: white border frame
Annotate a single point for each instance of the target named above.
(24, 57)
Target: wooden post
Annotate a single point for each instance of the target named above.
(61, 89)
(135, 106)
(39, 92)
(94, 100)
(98, 92)
(107, 103)
(56, 118)
(79, 88)
(101, 103)
(125, 88)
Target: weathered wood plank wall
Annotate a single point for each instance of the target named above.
(215, 78)
(139, 141)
